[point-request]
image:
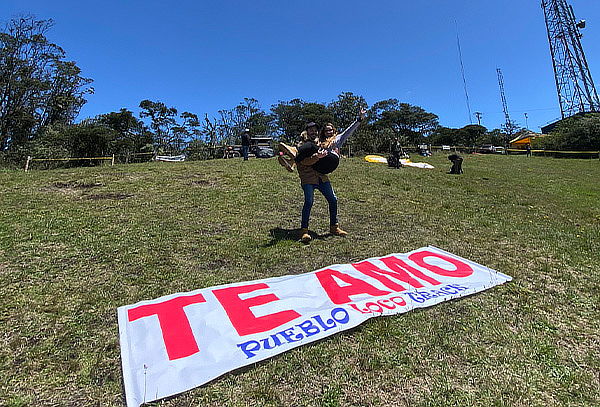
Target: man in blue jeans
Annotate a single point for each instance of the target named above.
(245, 143)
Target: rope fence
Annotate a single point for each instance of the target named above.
(555, 152)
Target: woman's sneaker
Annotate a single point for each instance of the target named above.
(288, 164)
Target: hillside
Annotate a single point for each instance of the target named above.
(75, 244)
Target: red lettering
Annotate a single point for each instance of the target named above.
(375, 308)
(240, 315)
(176, 330)
(372, 270)
(341, 295)
(399, 270)
(398, 300)
(402, 268)
(365, 311)
(384, 303)
(462, 268)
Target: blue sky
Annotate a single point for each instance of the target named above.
(202, 56)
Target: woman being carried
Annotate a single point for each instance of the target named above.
(329, 142)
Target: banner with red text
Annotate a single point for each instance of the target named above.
(181, 341)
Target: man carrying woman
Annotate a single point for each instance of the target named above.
(317, 156)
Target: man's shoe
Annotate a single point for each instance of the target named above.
(305, 236)
(337, 231)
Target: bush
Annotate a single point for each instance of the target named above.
(577, 133)
(198, 150)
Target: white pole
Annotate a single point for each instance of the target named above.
(27, 163)
(113, 160)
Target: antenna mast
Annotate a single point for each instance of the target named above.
(508, 123)
(462, 70)
(574, 83)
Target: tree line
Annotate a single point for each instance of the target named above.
(42, 93)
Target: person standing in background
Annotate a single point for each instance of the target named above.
(245, 143)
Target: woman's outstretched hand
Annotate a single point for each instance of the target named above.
(362, 114)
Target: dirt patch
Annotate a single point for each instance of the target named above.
(202, 180)
(71, 187)
(97, 197)
(77, 185)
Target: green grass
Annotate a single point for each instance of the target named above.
(77, 243)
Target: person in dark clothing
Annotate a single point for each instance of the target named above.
(528, 150)
(396, 155)
(245, 143)
(456, 164)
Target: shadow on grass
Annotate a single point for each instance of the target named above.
(280, 234)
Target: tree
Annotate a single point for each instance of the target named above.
(580, 132)
(346, 108)
(131, 135)
(230, 123)
(87, 139)
(445, 136)
(470, 134)
(249, 115)
(38, 87)
(495, 137)
(162, 121)
(260, 123)
(198, 150)
(510, 129)
(192, 124)
(291, 117)
(389, 120)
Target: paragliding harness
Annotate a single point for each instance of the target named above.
(456, 164)
(394, 159)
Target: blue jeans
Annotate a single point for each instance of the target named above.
(245, 152)
(309, 194)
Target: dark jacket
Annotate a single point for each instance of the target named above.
(246, 139)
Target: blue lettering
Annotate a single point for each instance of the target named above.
(323, 324)
(288, 333)
(249, 348)
(427, 296)
(414, 297)
(458, 287)
(309, 328)
(338, 315)
(346, 316)
(267, 345)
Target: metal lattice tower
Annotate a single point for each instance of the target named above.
(503, 97)
(574, 84)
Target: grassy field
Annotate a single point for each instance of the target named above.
(78, 243)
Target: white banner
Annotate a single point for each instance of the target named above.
(168, 158)
(181, 341)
